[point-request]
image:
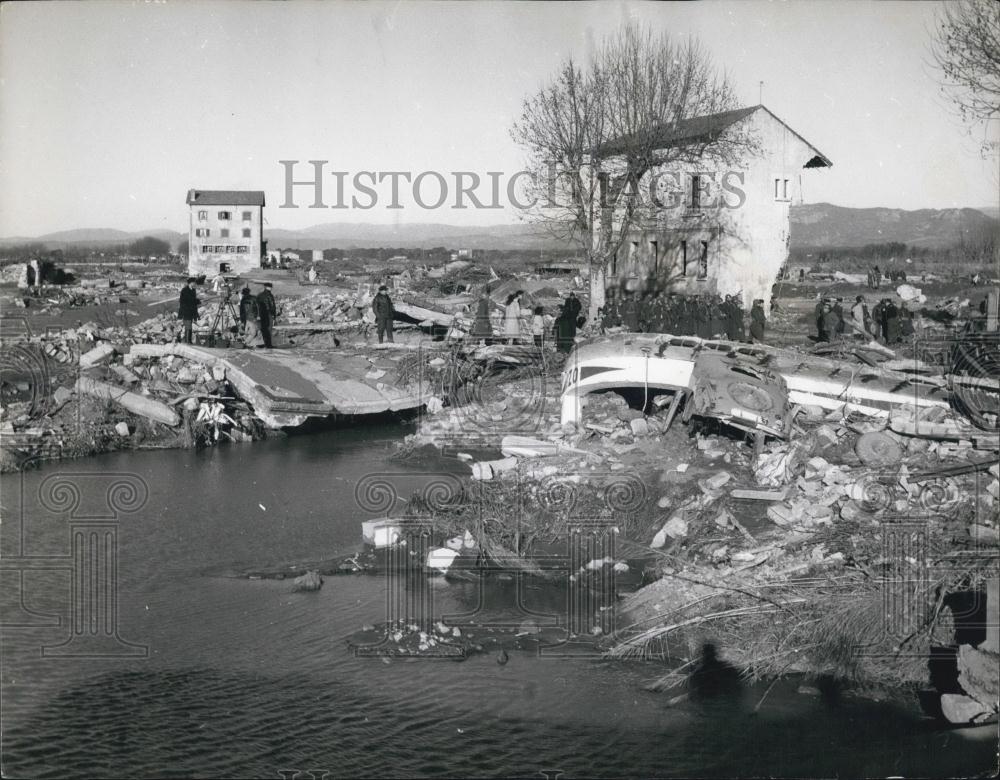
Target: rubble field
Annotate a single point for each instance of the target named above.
(845, 547)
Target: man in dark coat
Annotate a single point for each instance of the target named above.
(630, 313)
(891, 314)
(574, 305)
(188, 310)
(878, 320)
(565, 328)
(838, 310)
(267, 310)
(245, 298)
(382, 306)
(757, 321)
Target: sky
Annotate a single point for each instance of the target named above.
(111, 111)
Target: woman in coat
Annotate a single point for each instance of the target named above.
(481, 327)
(512, 317)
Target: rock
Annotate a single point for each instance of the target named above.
(717, 480)
(186, 376)
(979, 675)
(826, 435)
(627, 414)
(962, 709)
(61, 395)
(816, 467)
(675, 528)
(664, 502)
(877, 448)
(441, 559)
(310, 581)
(218, 373)
(639, 427)
(121, 428)
(783, 514)
(434, 405)
(102, 353)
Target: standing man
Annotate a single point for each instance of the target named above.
(382, 306)
(188, 311)
(757, 321)
(630, 313)
(268, 313)
(574, 305)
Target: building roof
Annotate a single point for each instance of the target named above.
(703, 129)
(225, 197)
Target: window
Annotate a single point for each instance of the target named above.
(703, 261)
(655, 251)
(784, 190)
(247, 216)
(246, 232)
(224, 215)
(242, 249)
(777, 188)
(684, 258)
(201, 232)
(781, 189)
(224, 233)
(696, 191)
(230, 249)
(633, 259)
(202, 216)
(614, 264)
(219, 249)
(206, 249)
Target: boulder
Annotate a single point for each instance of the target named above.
(639, 426)
(957, 708)
(310, 581)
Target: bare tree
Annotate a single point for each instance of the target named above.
(966, 49)
(593, 133)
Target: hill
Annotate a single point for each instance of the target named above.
(822, 225)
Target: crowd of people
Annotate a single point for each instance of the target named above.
(705, 316)
(886, 322)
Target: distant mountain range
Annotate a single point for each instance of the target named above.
(822, 225)
(94, 237)
(818, 225)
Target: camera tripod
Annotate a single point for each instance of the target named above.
(219, 321)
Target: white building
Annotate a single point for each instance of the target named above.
(226, 231)
(727, 230)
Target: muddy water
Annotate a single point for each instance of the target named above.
(216, 676)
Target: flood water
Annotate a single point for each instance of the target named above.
(219, 676)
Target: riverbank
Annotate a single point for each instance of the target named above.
(783, 552)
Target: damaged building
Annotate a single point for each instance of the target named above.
(718, 226)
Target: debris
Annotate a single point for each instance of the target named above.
(381, 533)
(133, 402)
(441, 559)
(758, 495)
(102, 353)
(878, 449)
(310, 581)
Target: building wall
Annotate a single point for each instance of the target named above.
(205, 262)
(744, 247)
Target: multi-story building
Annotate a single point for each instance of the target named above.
(226, 231)
(725, 227)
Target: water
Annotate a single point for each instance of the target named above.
(244, 678)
